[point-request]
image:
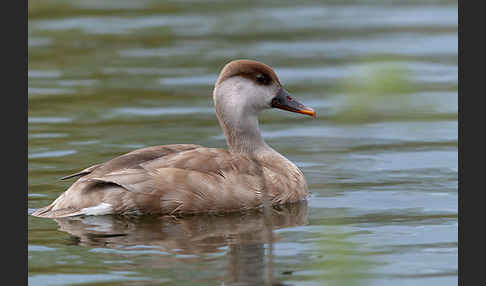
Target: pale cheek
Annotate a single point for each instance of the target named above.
(269, 95)
(243, 93)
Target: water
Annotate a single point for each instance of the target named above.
(109, 77)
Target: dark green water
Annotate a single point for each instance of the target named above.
(107, 77)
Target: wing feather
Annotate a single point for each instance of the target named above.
(82, 173)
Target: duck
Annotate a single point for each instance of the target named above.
(187, 179)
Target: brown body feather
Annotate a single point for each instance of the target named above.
(181, 178)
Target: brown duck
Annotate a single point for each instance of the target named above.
(187, 178)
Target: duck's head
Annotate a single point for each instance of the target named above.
(249, 87)
(245, 88)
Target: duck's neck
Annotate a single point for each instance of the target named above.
(241, 131)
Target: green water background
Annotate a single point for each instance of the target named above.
(106, 77)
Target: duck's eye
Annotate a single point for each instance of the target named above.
(263, 79)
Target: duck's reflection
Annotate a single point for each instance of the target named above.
(245, 235)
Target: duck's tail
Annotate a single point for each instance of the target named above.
(50, 211)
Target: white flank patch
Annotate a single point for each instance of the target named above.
(101, 209)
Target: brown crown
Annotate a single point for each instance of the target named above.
(247, 68)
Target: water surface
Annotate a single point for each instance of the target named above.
(380, 160)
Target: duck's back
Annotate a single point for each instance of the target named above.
(179, 178)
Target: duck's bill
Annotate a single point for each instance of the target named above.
(284, 101)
